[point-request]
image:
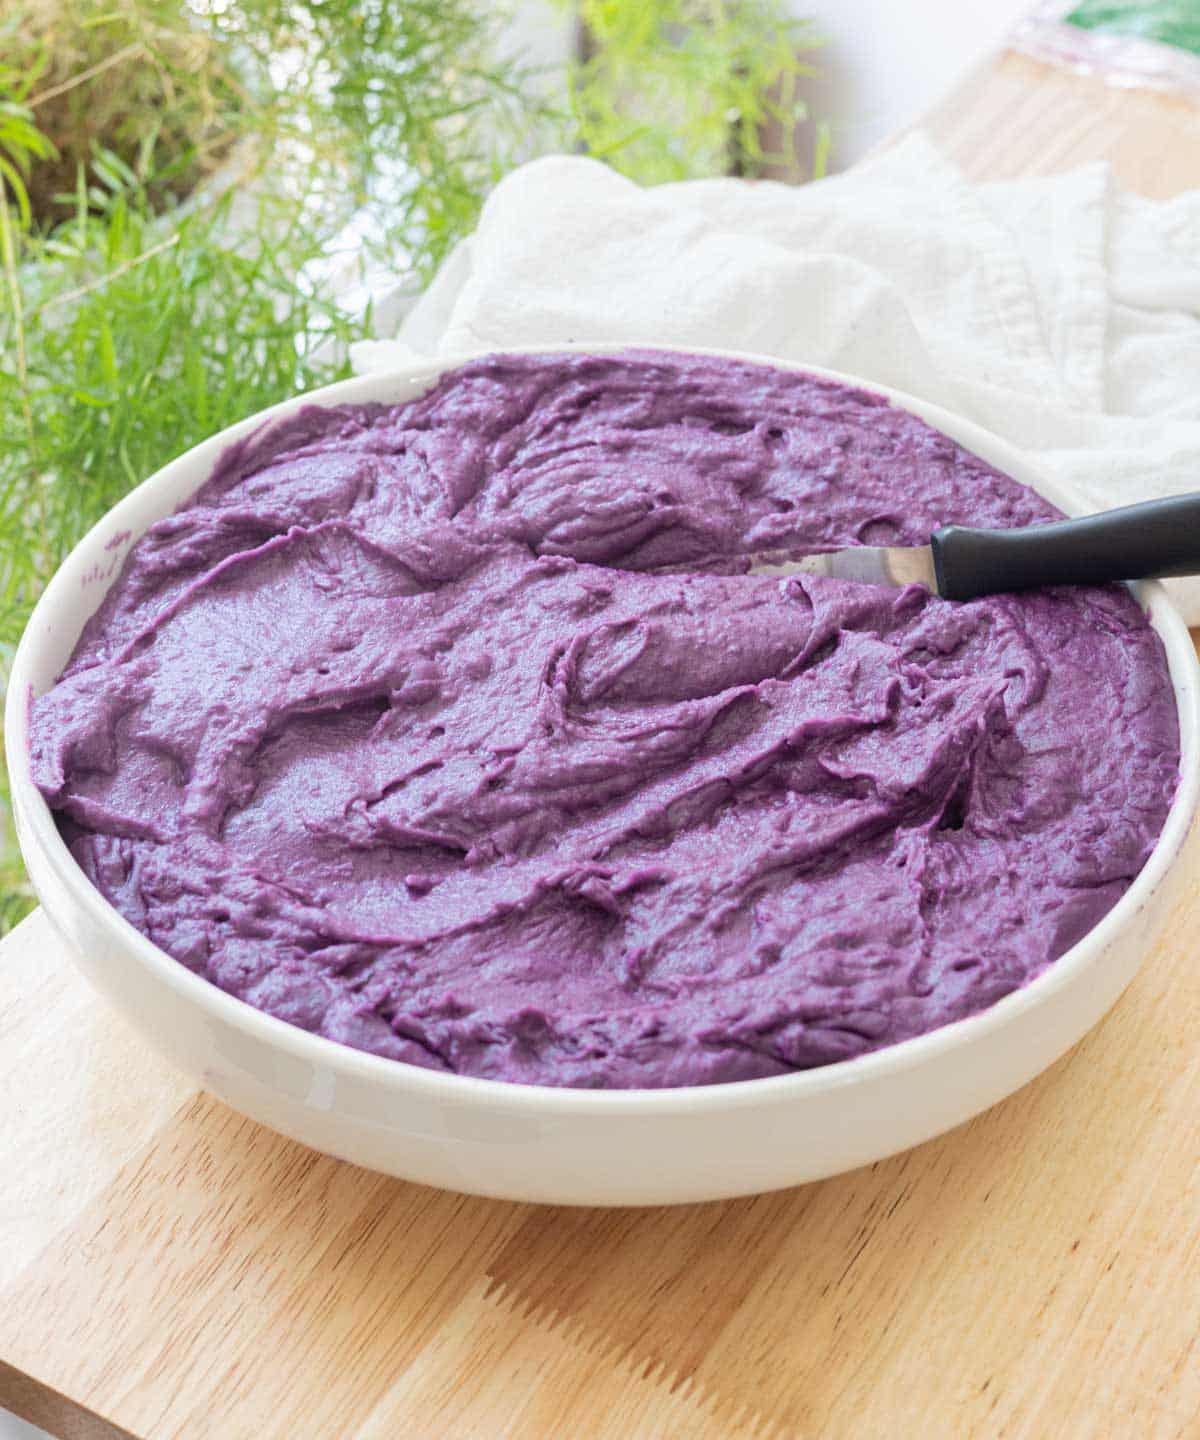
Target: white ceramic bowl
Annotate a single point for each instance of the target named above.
(624, 1147)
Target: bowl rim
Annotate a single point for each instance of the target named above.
(36, 825)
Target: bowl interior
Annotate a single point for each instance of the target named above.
(79, 586)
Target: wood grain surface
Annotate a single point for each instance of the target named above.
(168, 1269)
(1017, 116)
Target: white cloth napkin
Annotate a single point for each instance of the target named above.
(1062, 313)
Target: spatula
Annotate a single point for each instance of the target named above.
(1136, 542)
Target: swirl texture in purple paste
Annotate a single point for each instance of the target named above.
(453, 731)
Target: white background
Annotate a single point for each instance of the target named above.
(885, 62)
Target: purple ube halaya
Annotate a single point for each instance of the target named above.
(456, 732)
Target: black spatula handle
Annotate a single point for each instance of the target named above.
(1137, 542)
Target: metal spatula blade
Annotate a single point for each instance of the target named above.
(869, 564)
(1137, 542)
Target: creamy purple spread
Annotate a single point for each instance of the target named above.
(453, 730)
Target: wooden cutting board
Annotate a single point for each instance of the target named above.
(170, 1269)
